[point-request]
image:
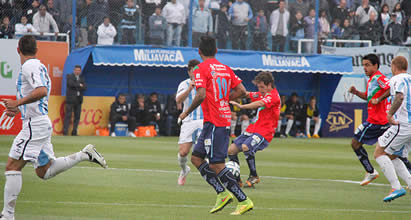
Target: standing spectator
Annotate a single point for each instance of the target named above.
(259, 28)
(137, 110)
(153, 111)
(54, 12)
(347, 30)
(400, 15)
(74, 98)
(174, 14)
(371, 30)
(279, 27)
(299, 5)
(385, 15)
(325, 25)
(202, 22)
(309, 24)
(32, 10)
(80, 38)
(296, 30)
(42, 21)
(120, 112)
(24, 27)
(336, 30)
(148, 9)
(341, 11)
(240, 13)
(363, 12)
(393, 33)
(353, 18)
(6, 30)
(158, 26)
(128, 23)
(106, 33)
(389, 3)
(222, 27)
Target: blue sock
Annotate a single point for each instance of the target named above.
(228, 179)
(211, 177)
(234, 158)
(251, 163)
(363, 157)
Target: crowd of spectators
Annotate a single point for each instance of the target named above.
(247, 24)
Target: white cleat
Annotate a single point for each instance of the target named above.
(3, 217)
(95, 156)
(182, 178)
(131, 134)
(369, 177)
(113, 134)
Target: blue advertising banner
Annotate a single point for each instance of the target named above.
(343, 119)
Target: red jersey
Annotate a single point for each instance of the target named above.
(266, 120)
(376, 86)
(218, 79)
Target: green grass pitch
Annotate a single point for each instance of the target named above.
(300, 179)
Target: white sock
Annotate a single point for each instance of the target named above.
(244, 125)
(389, 171)
(62, 164)
(12, 188)
(402, 171)
(317, 126)
(290, 123)
(233, 124)
(279, 126)
(182, 161)
(307, 126)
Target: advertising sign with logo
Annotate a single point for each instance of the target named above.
(9, 66)
(95, 113)
(343, 119)
(9, 125)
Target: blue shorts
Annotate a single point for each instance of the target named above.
(212, 143)
(255, 142)
(368, 133)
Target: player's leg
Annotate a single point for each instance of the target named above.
(113, 120)
(245, 122)
(250, 146)
(77, 112)
(184, 149)
(12, 186)
(233, 151)
(67, 117)
(317, 127)
(406, 162)
(290, 122)
(233, 123)
(307, 127)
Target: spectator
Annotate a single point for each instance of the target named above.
(341, 11)
(158, 26)
(353, 18)
(24, 27)
(389, 3)
(6, 30)
(371, 30)
(311, 113)
(128, 23)
(400, 15)
(64, 7)
(325, 25)
(42, 21)
(137, 110)
(309, 31)
(259, 27)
(393, 33)
(148, 9)
(256, 5)
(106, 33)
(202, 22)
(222, 27)
(347, 30)
(336, 31)
(174, 14)
(363, 12)
(407, 32)
(6, 8)
(323, 5)
(54, 12)
(296, 30)
(385, 15)
(153, 111)
(115, 10)
(97, 12)
(240, 13)
(120, 112)
(279, 27)
(32, 10)
(406, 6)
(171, 113)
(80, 38)
(86, 22)
(292, 112)
(299, 5)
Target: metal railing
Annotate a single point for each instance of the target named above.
(334, 41)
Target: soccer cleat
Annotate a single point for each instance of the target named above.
(113, 134)
(251, 181)
(182, 178)
(94, 156)
(316, 136)
(308, 135)
(223, 199)
(131, 134)
(395, 194)
(369, 177)
(3, 217)
(243, 207)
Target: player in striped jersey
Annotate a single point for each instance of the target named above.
(192, 124)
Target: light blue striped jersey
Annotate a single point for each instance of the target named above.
(402, 83)
(197, 114)
(33, 75)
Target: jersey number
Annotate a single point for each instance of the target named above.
(222, 87)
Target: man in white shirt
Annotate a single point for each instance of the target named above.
(24, 27)
(174, 14)
(279, 20)
(42, 21)
(397, 138)
(106, 33)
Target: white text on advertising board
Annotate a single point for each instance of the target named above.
(285, 61)
(158, 55)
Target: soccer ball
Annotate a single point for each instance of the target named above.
(234, 168)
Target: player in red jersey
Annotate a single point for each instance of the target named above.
(261, 131)
(368, 132)
(213, 82)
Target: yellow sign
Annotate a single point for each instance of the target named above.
(338, 121)
(95, 113)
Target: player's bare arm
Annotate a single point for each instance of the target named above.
(180, 99)
(382, 97)
(396, 104)
(354, 91)
(198, 99)
(252, 105)
(238, 92)
(34, 96)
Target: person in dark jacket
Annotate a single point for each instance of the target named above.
(222, 27)
(371, 30)
(292, 113)
(393, 33)
(137, 110)
(74, 98)
(120, 112)
(148, 9)
(158, 26)
(128, 23)
(152, 110)
(259, 27)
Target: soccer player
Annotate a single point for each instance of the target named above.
(192, 124)
(397, 138)
(376, 124)
(33, 143)
(213, 82)
(261, 131)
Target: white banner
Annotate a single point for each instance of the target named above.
(358, 79)
(9, 66)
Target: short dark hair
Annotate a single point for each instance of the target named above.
(77, 66)
(28, 45)
(153, 93)
(265, 77)
(208, 46)
(313, 97)
(373, 59)
(192, 63)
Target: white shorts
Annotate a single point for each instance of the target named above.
(33, 143)
(396, 140)
(190, 131)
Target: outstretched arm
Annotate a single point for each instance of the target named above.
(354, 91)
(238, 92)
(252, 105)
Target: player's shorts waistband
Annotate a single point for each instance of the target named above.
(36, 118)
